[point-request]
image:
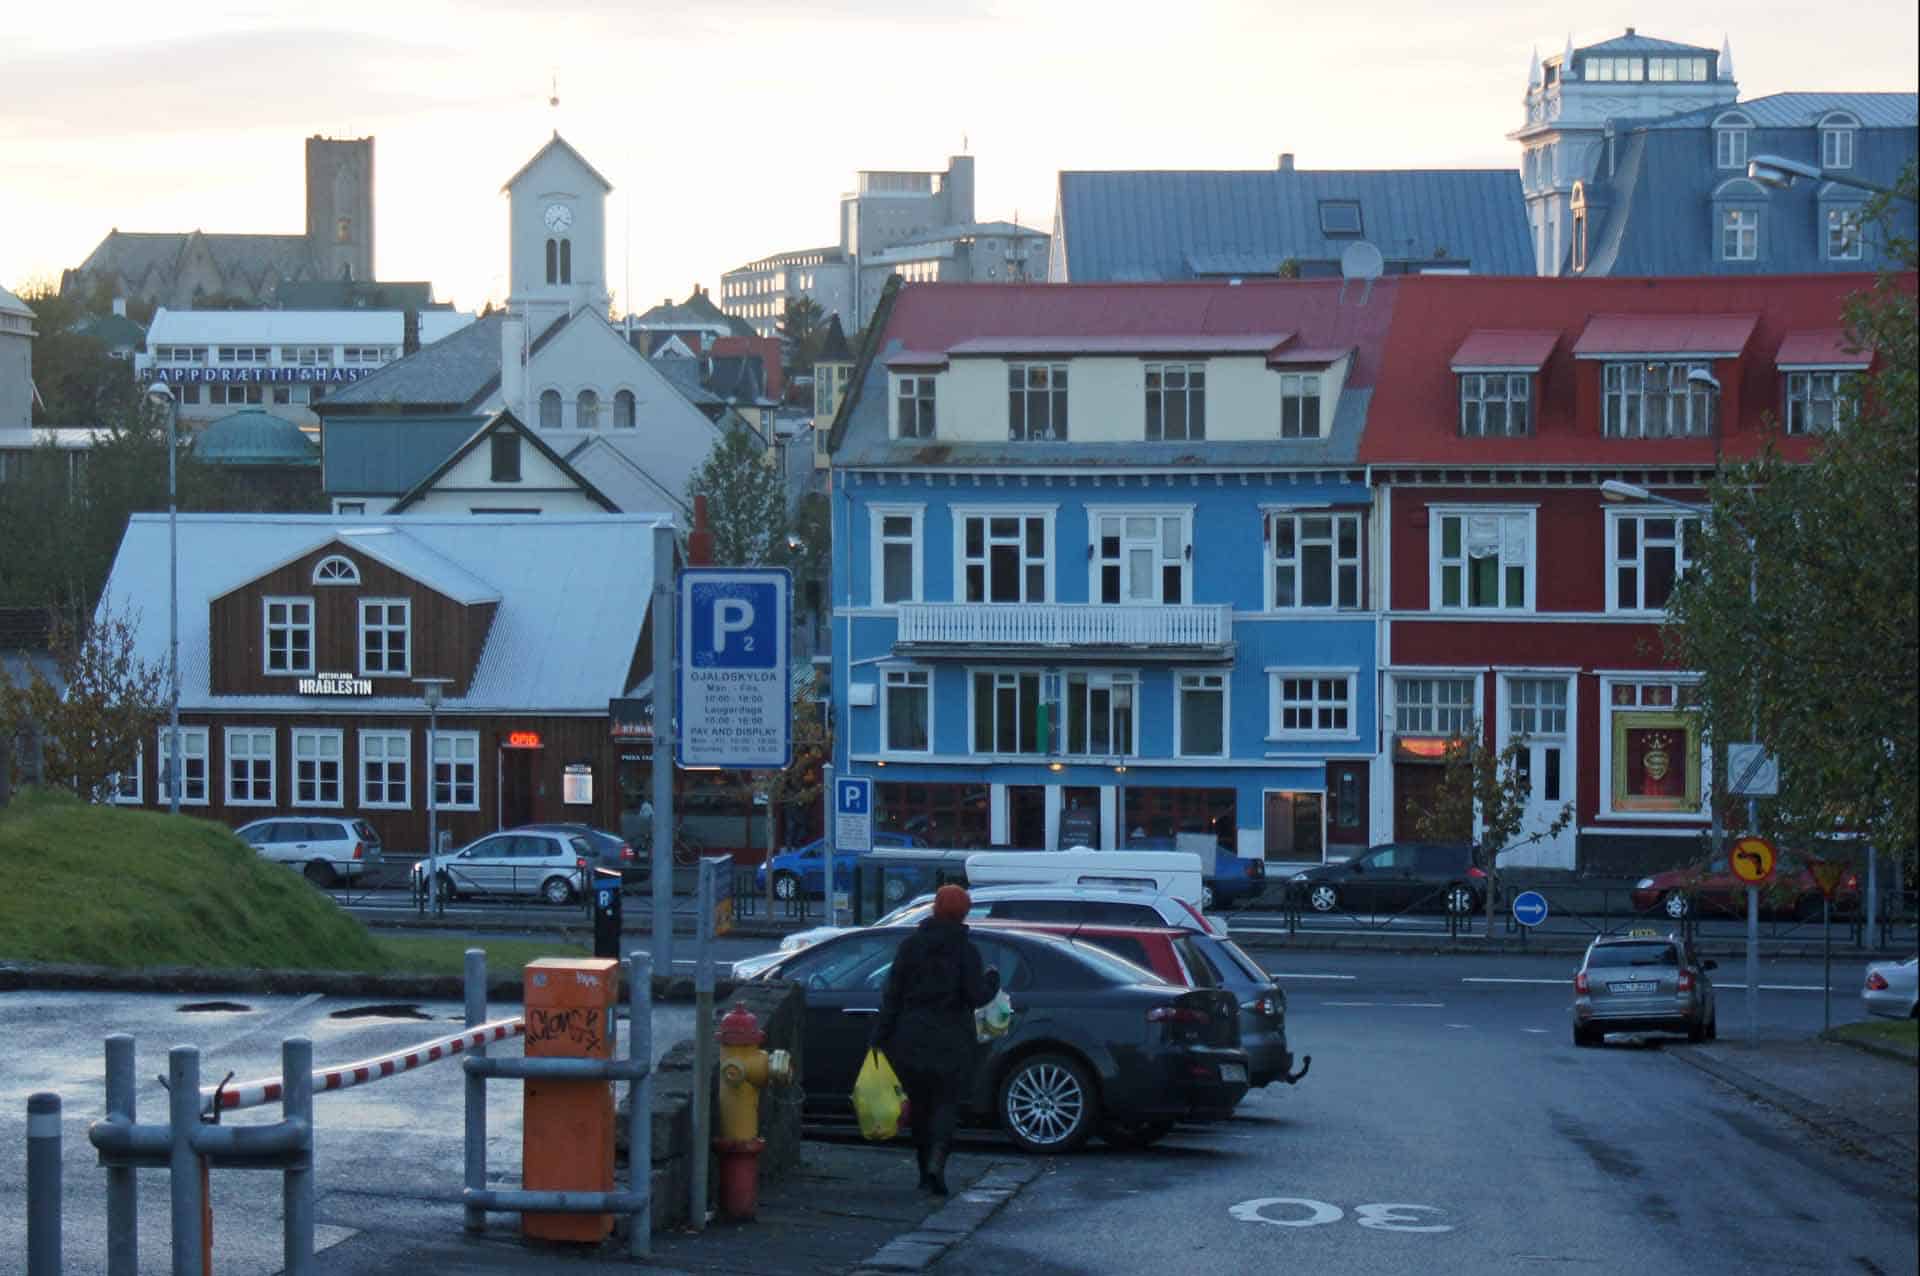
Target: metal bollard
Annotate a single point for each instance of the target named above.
(183, 1163)
(123, 1184)
(476, 1104)
(296, 1181)
(640, 1102)
(43, 1184)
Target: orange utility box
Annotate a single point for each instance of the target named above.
(567, 1127)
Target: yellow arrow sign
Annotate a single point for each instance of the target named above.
(1753, 859)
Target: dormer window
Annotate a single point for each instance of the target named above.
(1300, 405)
(913, 407)
(1495, 403)
(336, 569)
(1730, 141)
(505, 457)
(1339, 217)
(1836, 140)
(1176, 402)
(1037, 402)
(1843, 234)
(1656, 400)
(1740, 234)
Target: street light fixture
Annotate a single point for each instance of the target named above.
(1779, 172)
(1616, 490)
(161, 395)
(432, 690)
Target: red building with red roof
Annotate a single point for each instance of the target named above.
(1512, 593)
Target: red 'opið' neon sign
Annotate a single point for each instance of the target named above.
(524, 740)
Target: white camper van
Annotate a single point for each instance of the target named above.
(1175, 873)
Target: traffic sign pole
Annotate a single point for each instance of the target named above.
(832, 844)
(1753, 965)
(665, 626)
(1753, 861)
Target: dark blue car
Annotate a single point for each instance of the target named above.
(1235, 879)
(804, 868)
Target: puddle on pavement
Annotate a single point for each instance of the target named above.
(214, 1008)
(394, 1011)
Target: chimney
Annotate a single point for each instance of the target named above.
(120, 307)
(1629, 30)
(513, 369)
(1286, 161)
(410, 331)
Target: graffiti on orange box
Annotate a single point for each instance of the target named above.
(579, 1025)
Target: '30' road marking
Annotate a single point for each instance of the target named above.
(1299, 1211)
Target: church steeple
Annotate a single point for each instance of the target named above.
(1726, 57)
(558, 245)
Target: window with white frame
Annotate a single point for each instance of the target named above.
(1740, 234)
(1176, 401)
(386, 636)
(1843, 234)
(913, 407)
(1655, 400)
(1482, 559)
(623, 407)
(456, 770)
(1536, 706)
(896, 553)
(586, 410)
(1003, 558)
(1817, 401)
(1007, 711)
(549, 409)
(1650, 552)
(1432, 706)
(1836, 147)
(1141, 556)
(1100, 714)
(193, 765)
(336, 569)
(289, 634)
(907, 711)
(125, 787)
(1496, 403)
(1305, 704)
(1037, 401)
(1300, 405)
(386, 770)
(1313, 560)
(1730, 145)
(250, 765)
(1200, 715)
(317, 768)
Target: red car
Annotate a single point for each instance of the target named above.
(1713, 888)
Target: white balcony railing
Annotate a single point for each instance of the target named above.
(1033, 625)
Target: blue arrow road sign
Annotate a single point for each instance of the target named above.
(1530, 908)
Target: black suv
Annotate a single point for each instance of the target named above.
(1395, 878)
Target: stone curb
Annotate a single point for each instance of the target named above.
(963, 1215)
(1817, 1116)
(1880, 1048)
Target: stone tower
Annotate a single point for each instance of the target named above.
(340, 206)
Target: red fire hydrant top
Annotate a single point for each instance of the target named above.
(739, 1027)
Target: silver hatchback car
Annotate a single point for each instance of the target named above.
(1643, 982)
(537, 862)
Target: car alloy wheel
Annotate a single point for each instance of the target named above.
(1047, 1104)
(557, 890)
(1459, 899)
(1323, 898)
(1675, 905)
(786, 886)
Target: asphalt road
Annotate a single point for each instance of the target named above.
(1450, 1125)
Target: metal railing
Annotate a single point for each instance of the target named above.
(1065, 625)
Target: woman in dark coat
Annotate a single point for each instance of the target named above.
(925, 1026)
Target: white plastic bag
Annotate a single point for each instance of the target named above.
(993, 1019)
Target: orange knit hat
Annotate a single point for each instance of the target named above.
(951, 903)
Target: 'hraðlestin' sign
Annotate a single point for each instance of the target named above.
(336, 684)
(213, 376)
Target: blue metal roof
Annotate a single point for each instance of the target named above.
(386, 456)
(1805, 110)
(1634, 42)
(1133, 226)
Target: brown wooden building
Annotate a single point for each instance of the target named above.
(308, 643)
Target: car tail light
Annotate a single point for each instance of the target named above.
(1686, 981)
(359, 849)
(1580, 983)
(1474, 870)
(626, 852)
(1267, 1005)
(1256, 868)
(1178, 1014)
(1876, 981)
(1201, 1072)
(579, 861)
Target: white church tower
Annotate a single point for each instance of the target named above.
(1572, 101)
(558, 236)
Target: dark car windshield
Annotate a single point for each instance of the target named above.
(1647, 954)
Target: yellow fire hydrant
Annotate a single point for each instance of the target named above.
(745, 1070)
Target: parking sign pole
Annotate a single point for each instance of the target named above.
(666, 625)
(832, 844)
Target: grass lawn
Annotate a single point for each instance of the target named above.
(107, 886)
(1897, 1032)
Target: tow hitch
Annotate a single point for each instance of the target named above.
(1306, 1061)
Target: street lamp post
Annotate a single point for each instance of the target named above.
(161, 394)
(1615, 490)
(432, 690)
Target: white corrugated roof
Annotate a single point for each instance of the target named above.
(296, 327)
(573, 594)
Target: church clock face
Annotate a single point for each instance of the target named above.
(558, 217)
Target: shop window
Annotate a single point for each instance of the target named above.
(1655, 739)
(576, 785)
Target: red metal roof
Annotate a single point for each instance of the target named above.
(1125, 343)
(1821, 348)
(1719, 336)
(1514, 348)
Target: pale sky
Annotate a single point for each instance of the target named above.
(730, 128)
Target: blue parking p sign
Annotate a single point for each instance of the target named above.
(853, 814)
(736, 707)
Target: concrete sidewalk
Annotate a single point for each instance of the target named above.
(852, 1207)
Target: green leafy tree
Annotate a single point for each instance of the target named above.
(1822, 658)
(78, 382)
(91, 727)
(800, 784)
(802, 327)
(746, 500)
(1486, 792)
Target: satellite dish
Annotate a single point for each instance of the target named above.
(1361, 261)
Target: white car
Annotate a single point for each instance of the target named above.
(1109, 905)
(327, 849)
(1889, 989)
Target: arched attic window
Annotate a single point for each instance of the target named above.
(1730, 140)
(549, 409)
(1836, 139)
(336, 569)
(623, 410)
(586, 410)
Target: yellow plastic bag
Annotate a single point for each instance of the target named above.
(877, 1098)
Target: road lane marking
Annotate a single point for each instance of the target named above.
(1460, 1025)
(1290, 974)
(1476, 979)
(1349, 1003)
(1539, 1030)
(1423, 1005)
(1489, 979)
